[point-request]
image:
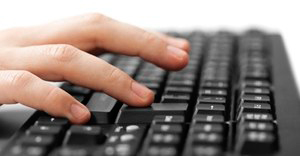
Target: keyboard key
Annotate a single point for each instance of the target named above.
(72, 151)
(256, 83)
(210, 109)
(166, 128)
(179, 98)
(161, 150)
(118, 149)
(181, 83)
(256, 98)
(168, 119)
(257, 143)
(260, 91)
(178, 90)
(37, 140)
(84, 135)
(255, 107)
(256, 117)
(211, 99)
(208, 127)
(104, 108)
(47, 120)
(44, 130)
(207, 138)
(128, 128)
(145, 115)
(164, 139)
(208, 118)
(27, 151)
(258, 126)
(206, 150)
(213, 92)
(214, 84)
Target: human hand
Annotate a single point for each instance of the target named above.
(64, 50)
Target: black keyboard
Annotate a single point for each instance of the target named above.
(236, 96)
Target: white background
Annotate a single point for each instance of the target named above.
(280, 16)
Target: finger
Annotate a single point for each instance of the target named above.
(175, 41)
(98, 31)
(23, 87)
(64, 62)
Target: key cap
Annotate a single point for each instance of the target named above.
(256, 98)
(213, 92)
(166, 128)
(255, 117)
(27, 151)
(179, 98)
(207, 138)
(206, 150)
(45, 130)
(145, 115)
(208, 118)
(214, 84)
(257, 143)
(180, 83)
(159, 150)
(211, 99)
(179, 90)
(260, 91)
(37, 140)
(255, 107)
(210, 109)
(257, 75)
(103, 108)
(48, 120)
(258, 126)
(256, 83)
(208, 127)
(164, 139)
(128, 128)
(72, 151)
(84, 135)
(148, 79)
(168, 119)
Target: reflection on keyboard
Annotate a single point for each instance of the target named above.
(222, 102)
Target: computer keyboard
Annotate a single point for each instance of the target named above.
(235, 97)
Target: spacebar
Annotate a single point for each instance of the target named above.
(145, 115)
(103, 108)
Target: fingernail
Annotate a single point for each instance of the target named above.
(78, 111)
(140, 90)
(176, 51)
(178, 42)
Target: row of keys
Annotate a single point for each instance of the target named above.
(208, 131)
(256, 129)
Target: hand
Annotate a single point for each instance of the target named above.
(59, 51)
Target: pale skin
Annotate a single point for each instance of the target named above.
(64, 51)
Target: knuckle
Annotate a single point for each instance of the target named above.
(151, 38)
(95, 18)
(20, 78)
(62, 53)
(50, 98)
(115, 75)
